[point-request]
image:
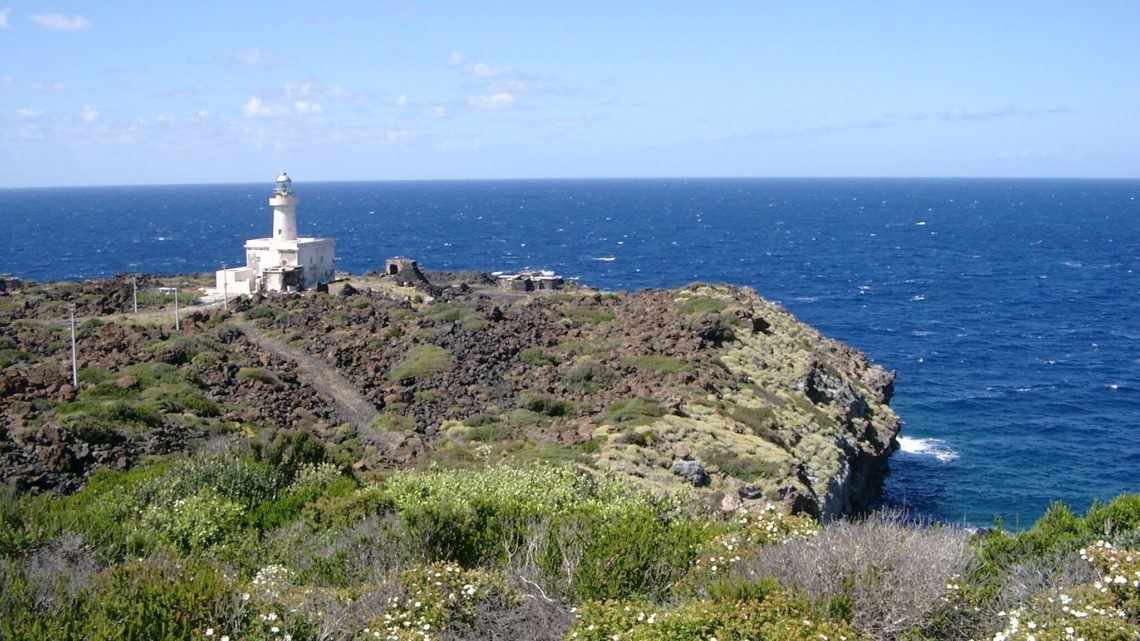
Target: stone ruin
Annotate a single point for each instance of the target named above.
(404, 271)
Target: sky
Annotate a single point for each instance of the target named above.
(131, 92)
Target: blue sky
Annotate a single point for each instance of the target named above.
(130, 92)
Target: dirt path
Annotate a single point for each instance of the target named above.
(352, 405)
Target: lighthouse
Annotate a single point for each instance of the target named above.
(284, 205)
(283, 261)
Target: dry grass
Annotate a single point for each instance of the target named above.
(891, 573)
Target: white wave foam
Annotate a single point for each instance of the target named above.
(605, 259)
(935, 447)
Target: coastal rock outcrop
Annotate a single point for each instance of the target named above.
(709, 386)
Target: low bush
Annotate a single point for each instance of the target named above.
(546, 405)
(630, 549)
(154, 598)
(258, 374)
(774, 615)
(744, 467)
(890, 574)
(698, 305)
(588, 315)
(633, 411)
(588, 376)
(262, 312)
(421, 361)
(660, 364)
(537, 357)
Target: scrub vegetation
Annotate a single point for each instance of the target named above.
(283, 544)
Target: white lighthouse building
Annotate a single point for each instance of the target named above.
(282, 262)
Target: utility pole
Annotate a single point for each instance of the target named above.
(177, 323)
(225, 288)
(135, 293)
(74, 367)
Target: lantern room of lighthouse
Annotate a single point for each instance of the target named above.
(283, 261)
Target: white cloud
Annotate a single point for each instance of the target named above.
(438, 111)
(396, 135)
(6, 82)
(304, 89)
(306, 108)
(402, 100)
(249, 59)
(255, 108)
(4, 18)
(29, 113)
(483, 70)
(89, 114)
(57, 22)
(48, 86)
(497, 100)
(308, 90)
(455, 58)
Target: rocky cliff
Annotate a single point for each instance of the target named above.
(705, 385)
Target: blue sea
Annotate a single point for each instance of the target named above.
(1009, 308)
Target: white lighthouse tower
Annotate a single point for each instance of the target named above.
(283, 261)
(284, 205)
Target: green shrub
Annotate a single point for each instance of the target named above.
(101, 421)
(588, 315)
(630, 549)
(761, 421)
(289, 451)
(546, 405)
(743, 467)
(259, 374)
(392, 422)
(242, 481)
(148, 599)
(324, 481)
(588, 376)
(447, 314)
(1057, 530)
(195, 522)
(523, 418)
(337, 509)
(479, 420)
(11, 356)
(775, 615)
(263, 312)
(633, 411)
(441, 596)
(1118, 516)
(660, 364)
(699, 305)
(537, 357)
(489, 433)
(420, 361)
(475, 516)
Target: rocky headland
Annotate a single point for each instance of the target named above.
(708, 386)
